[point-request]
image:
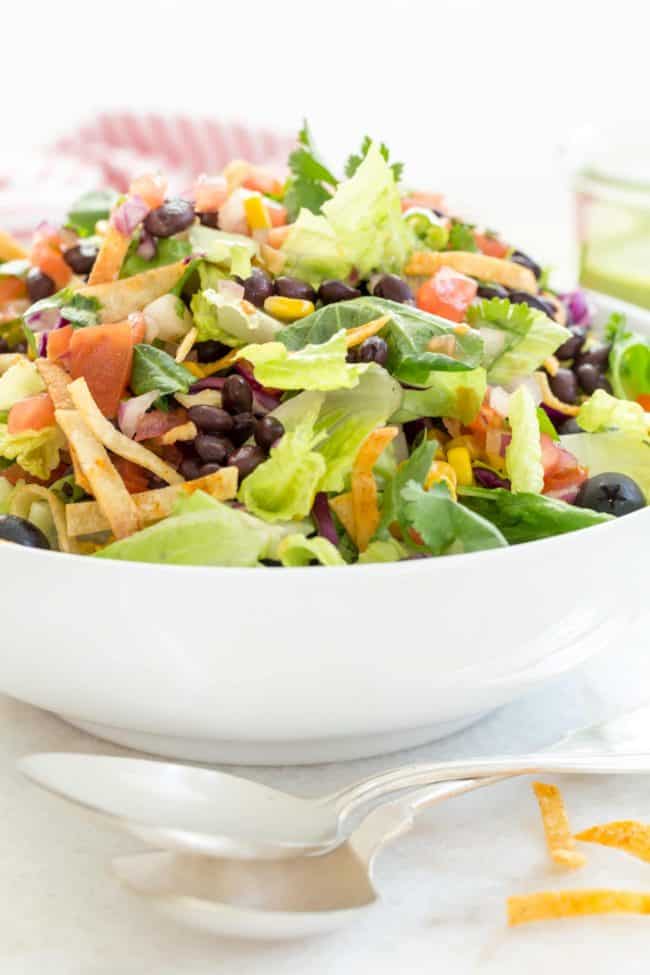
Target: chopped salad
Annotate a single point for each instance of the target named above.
(301, 368)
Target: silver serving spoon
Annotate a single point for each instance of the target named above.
(198, 810)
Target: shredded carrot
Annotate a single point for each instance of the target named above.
(559, 839)
(359, 334)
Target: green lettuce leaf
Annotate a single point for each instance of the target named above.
(6, 492)
(529, 337)
(88, 209)
(312, 251)
(524, 452)
(36, 451)
(602, 412)
(615, 452)
(461, 237)
(219, 247)
(19, 382)
(314, 367)
(527, 517)
(230, 321)
(414, 470)
(629, 359)
(155, 369)
(452, 394)
(446, 527)
(384, 550)
(297, 550)
(169, 250)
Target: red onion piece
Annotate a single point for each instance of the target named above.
(131, 213)
(45, 320)
(230, 290)
(131, 412)
(577, 307)
(156, 423)
(210, 382)
(323, 518)
(147, 246)
(42, 344)
(489, 479)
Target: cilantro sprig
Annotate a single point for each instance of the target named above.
(311, 183)
(355, 160)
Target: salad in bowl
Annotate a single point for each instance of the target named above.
(303, 369)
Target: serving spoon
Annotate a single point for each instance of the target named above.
(202, 811)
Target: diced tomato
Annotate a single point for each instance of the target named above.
(490, 245)
(431, 201)
(103, 355)
(15, 473)
(278, 235)
(448, 293)
(47, 256)
(277, 213)
(561, 469)
(33, 413)
(151, 187)
(11, 289)
(551, 455)
(644, 400)
(210, 193)
(564, 481)
(138, 327)
(263, 181)
(58, 343)
(135, 478)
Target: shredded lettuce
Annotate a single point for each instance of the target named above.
(384, 550)
(524, 452)
(297, 550)
(602, 412)
(6, 492)
(617, 452)
(530, 338)
(629, 359)
(36, 451)
(229, 321)
(452, 394)
(312, 251)
(19, 382)
(314, 367)
(219, 247)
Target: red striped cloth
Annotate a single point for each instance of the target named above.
(111, 149)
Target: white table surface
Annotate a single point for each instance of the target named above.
(443, 886)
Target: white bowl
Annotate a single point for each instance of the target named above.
(316, 664)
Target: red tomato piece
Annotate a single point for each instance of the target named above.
(644, 400)
(490, 245)
(47, 256)
(210, 193)
(431, 201)
(103, 355)
(151, 187)
(33, 413)
(277, 212)
(263, 181)
(138, 327)
(278, 235)
(448, 294)
(136, 479)
(11, 289)
(58, 343)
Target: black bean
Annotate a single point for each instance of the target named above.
(236, 395)
(210, 219)
(21, 532)
(258, 287)
(572, 346)
(565, 385)
(190, 469)
(598, 357)
(210, 351)
(294, 288)
(331, 291)
(491, 291)
(353, 354)
(82, 257)
(20, 348)
(210, 419)
(393, 288)
(520, 258)
(4, 346)
(591, 378)
(267, 431)
(374, 349)
(212, 449)
(533, 301)
(570, 426)
(243, 425)
(246, 459)
(170, 218)
(39, 285)
(208, 469)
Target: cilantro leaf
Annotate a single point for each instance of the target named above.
(310, 180)
(355, 160)
(616, 327)
(461, 237)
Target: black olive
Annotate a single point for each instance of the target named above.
(21, 532)
(612, 494)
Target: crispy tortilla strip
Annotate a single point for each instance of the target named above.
(559, 838)
(119, 299)
(105, 483)
(183, 432)
(206, 397)
(21, 502)
(342, 508)
(57, 381)
(110, 257)
(551, 365)
(113, 440)
(476, 266)
(185, 347)
(552, 904)
(628, 835)
(365, 505)
(201, 372)
(355, 336)
(272, 258)
(10, 249)
(86, 518)
(9, 359)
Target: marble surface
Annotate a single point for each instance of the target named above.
(443, 886)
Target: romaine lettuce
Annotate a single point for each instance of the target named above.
(314, 367)
(18, 382)
(229, 321)
(36, 451)
(524, 452)
(295, 550)
(602, 412)
(451, 394)
(617, 452)
(629, 359)
(312, 251)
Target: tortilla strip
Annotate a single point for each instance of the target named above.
(119, 299)
(57, 381)
(107, 486)
(21, 502)
(183, 432)
(10, 249)
(476, 266)
(359, 334)
(627, 834)
(9, 359)
(549, 905)
(113, 440)
(110, 258)
(86, 518)
(185, 347)
(559, 838)
(344, 511)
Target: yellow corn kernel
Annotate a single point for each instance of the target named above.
(440, 471)
(257, 214)
(460, 460)
(467, 441)
(496, 461)
(288, 309)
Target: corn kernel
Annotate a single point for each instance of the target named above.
(467, 441)
(257, 214)
(288, 309)
(460, 460)
(440, 471)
